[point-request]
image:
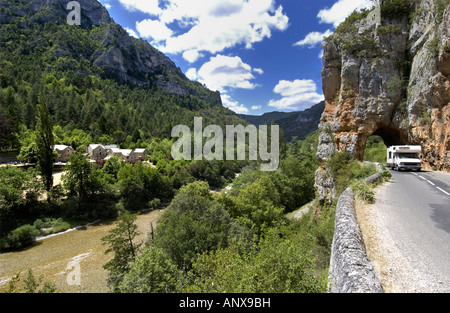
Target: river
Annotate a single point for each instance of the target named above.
(52, 256)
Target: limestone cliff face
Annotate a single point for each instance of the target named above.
(387, 73)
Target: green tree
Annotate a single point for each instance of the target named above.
(78, 178)
(153, 272)
(45, 141)
(191, 225)
(258, 205)
(140, 184)
(120, 241)
(274, 265)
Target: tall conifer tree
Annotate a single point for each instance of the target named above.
(45, 142)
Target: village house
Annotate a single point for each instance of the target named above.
(64, 152)
(139, 154)
(124, 154)
(96, 152)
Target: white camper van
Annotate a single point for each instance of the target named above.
(404, 157)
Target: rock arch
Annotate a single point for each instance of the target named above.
(389, 78)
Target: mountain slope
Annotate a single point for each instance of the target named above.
(94, 76)
(294, 124)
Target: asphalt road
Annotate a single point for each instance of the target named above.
(416, 213)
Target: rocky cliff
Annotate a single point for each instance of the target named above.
(116, 54)
(386, 72)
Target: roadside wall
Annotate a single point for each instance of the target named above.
(350, 268)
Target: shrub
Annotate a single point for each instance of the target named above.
(395, 9)
(20, 237)
(363, 191)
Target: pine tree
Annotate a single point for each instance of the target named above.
(120, 241)
(45, 142)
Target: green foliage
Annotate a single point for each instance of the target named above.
(19, 238)
(31, 284)
(140, 184)
(363, 191)
(375, 150)
(90, 195)
(153, 272)
(351, 20)
(191, 225)
(344, 169)
(440, 6)
(120, 241)
(258, 206)
(361, 45)
(44, 144)
(275, 265)
(395, 9)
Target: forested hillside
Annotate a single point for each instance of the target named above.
(93, 77)
(294, 124)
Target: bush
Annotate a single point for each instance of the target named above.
(344, 169)
(191, 225)
(20, 237)
(363, 191)
(274, 265)
(395, 9)
(153, 272)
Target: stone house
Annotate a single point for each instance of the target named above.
(96, 152)
(64, 152)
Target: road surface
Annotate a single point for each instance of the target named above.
(407, 232)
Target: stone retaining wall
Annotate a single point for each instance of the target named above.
(350, 268)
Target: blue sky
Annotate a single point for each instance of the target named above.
(262, 55)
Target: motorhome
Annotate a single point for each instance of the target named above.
(404, 158)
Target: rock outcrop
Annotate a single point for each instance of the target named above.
(117, 54)
(386, 72)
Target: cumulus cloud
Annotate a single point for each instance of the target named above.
(131, 32)
(153, 29)
(233, 105)
(341, 9)
(225, 72)
(207, 26)
(192, 55)
(146, 6)
(299, 94)
(256, 107)
(313, 39)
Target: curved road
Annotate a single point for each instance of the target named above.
(411, 222)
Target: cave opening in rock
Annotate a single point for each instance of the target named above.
(391, 136)
(375, 147)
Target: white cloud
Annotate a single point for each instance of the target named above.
(233, 105)
(259, 71)
(224, 72)
(106, 4)
(210, 26)
(131, 32)
(192, 74)
(320, 56)
(341, 9)
(313, 39)
(256, 107)
(296, 95)
(153, 29)
(192, 55)
(146, 6)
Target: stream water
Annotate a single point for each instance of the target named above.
(54, 257)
